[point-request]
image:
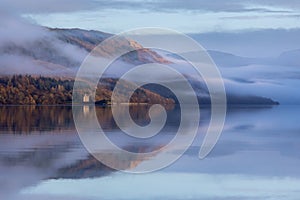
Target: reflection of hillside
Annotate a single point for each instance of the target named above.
(27, 159)
(26, 119)
(91, 167)
(40, 158)
(139, 114)
(56, 156)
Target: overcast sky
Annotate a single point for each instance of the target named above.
(253, 28)
(188, 16)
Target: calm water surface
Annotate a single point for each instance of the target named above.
(42, 157)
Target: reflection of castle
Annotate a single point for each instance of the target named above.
(86, 98)
(86, 110)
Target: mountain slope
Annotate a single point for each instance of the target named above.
(65, 48)
(287, 58)
(59, 53)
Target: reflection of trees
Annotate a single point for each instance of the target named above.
(26, 119)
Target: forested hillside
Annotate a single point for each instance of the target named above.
(39, 90)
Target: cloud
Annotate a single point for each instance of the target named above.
(47, 6)
(15, 28)
(53, 6)
(291, 4)
(29, 48)
(251, 43)
(186, 16)
(231, 6)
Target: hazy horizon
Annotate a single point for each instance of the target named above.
(81, 112)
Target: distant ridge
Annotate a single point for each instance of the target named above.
(58, 53)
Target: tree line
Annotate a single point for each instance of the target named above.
(40, 90)
(32, 90)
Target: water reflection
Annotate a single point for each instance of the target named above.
(257, 145)
(91, 167)
(28, 119)
(27, 156)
